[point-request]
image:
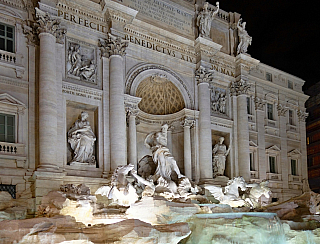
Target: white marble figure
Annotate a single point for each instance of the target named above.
(88, 71)
(122, 192)
(245, 39)
(74, 57)
(166, 164)
(81, 139)
(230, 195)
(205, 18)
(219, 152)
(222, 103)
(256, 191)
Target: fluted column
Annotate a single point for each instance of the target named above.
(49, 31)
(114, 48)
(187, 124)
(203, 77)
(240, 89)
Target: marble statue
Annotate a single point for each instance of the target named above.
(81, 139)
(220, 152)
(88, 71)
(166, 164)
(122, 192)
(230, 195)
(256, 191)
(245, 39)
(205, 18)
(74, 57)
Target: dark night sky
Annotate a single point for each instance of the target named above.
(285, 34)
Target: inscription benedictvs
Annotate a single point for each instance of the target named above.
(163, 12)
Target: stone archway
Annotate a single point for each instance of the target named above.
(138, 74)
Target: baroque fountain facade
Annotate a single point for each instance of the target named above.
(148, 117)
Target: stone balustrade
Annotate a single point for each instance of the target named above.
(7, 57)
(7, 148)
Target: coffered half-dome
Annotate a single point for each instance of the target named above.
(159, 96)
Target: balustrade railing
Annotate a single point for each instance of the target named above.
(7, 148)
(7, 57)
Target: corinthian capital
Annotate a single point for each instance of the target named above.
(239, 87)
(187, 122)
(203, 75)
(302, 115)
(282, 110)
(114, 45)
(48, 24)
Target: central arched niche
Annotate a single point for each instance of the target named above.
(159, 96)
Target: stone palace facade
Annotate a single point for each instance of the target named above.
(132, 66)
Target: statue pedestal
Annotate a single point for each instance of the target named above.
(220, 181)
(74, 163)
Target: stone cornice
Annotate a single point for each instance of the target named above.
(14, 82)
(114, 45)
(203, 75)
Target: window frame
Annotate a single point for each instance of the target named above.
(272, 111)
(6, 38)
(274, 171)
(294, 170)
(291, 119)
(6, 115)
(269, 75)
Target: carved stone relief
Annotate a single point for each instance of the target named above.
(218, 100)
(80, 62)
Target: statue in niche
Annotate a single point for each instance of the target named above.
(245, 39)
(81, 139)
(219, 153)
(166, 164)
(205, 18)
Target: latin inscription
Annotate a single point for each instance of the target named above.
(81, 21)
(159, 48)
(163, 12)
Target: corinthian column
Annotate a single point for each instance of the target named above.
(187, 124)
(114, 49)
(239, 89)
(49, 30)
(203, 77)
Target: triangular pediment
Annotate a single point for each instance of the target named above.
(252, 144)
(273, 148)
(294, 152)
(5, 98)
